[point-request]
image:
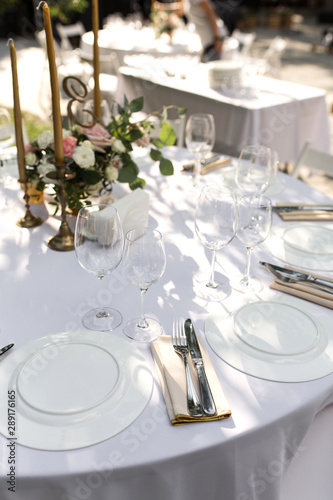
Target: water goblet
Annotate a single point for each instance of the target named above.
(254, 220)
(99, 246)
(200, 139)
(143, 265)
(215, 227)
(254, 170)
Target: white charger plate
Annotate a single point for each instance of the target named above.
(274, 341)
(295, 244)
(74, 389)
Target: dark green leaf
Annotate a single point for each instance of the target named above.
(158, 144)
(91, 176)
(128, 173)
(155, 155)
(136, 105)
(166, 167)
(138, 183)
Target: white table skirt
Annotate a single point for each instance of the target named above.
(245, 457)
(283, 115)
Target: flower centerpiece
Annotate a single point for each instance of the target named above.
(100, 155)
(165, 20)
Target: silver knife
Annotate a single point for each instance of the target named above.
(207, 400)
(292, 208)
(5, 349)
(298, 275)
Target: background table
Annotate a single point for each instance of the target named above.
(245, 457)
(278, 114)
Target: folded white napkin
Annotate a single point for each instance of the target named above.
(133, 209)
(170, 368)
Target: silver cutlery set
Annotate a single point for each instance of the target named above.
(302, 208)
(185, 342)
(5, 349)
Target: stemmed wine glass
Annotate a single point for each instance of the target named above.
(99, 247)
(215, 227)
(6, 139)
(200, 139)
(254, 220)
(254, 170)
(143, 265)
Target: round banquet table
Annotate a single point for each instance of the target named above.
(268, 449)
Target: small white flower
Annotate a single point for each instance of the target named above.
(30, 158)
(66, 133)
(84, 157)
(87, 144)
(44, 168)
(111, 173)
(45, 139)
(93, 189)
(118, 146)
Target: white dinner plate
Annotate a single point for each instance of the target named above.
(274, 340)
(302, 244)
(228, 179)
(73, 389)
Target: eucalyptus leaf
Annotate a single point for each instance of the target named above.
(166, 167)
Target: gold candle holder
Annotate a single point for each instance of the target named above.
(63, 241)
(29, 220)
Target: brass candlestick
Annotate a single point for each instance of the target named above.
(29, 220)
(63, 241)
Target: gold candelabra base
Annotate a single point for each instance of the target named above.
(63, 241)
(29, 220)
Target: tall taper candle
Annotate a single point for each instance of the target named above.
(97, 91)
(17, 115)
(56, 112)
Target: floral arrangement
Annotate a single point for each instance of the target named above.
(100, 155)
(165, 21)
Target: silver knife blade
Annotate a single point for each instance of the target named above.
(294, 208)
(5, 349)
(298, 275)
(207, 400)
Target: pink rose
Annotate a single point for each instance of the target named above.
(30, 149)
(99, 137)
(69, 146)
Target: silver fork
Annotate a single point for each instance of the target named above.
(180, 346)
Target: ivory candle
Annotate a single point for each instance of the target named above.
(56, 113)
(17, 116)
(97, 91)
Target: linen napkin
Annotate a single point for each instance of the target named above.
(305, 291)
(171, 372)
(304, 215)
(133, 209)
(210, 167)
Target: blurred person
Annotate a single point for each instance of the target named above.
(209, 26)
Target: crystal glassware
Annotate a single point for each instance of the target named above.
(199, 139)
(143, 265)
(215, 227)
(254, 219)
(99, 247)
(254, 170)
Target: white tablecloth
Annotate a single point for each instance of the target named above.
(281, 115)
(245, 457)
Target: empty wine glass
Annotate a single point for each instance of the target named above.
(254, 170)
(200, 139)
(254, 219)
(99, 246)
(215, 227)
(143, 265)
(6, 139)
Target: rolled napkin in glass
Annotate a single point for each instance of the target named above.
(170, 368)
(305, 290)
(133, 209)
(304, 211)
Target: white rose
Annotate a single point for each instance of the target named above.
(44, 168)
(45, 139)
(30, 158)
(118, 146)
(84, 157)
(111, 173)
